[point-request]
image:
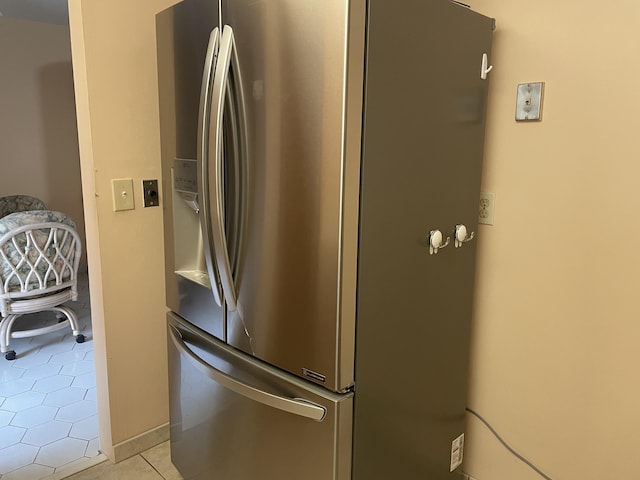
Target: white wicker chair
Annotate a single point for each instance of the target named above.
(39, 257)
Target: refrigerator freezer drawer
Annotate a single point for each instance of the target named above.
(234, 418)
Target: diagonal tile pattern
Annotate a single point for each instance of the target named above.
(48, 413)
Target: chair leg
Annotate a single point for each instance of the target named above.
(73, 321)
(6, 325)
(5, 336)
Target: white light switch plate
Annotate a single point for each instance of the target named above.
(122, 194)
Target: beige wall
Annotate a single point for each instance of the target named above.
(114, 60)
(557, 316)
(38, 136)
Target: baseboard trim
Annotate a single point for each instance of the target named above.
(140, 443)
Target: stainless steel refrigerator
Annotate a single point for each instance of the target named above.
(321, 164)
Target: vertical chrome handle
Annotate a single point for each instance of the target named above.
(216, 174)
(204, 116)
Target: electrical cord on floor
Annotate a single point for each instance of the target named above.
(506, 445)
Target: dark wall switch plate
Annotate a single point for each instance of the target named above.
(150, 191)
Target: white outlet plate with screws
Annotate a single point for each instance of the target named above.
(487, 207)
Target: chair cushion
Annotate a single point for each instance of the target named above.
(19, 203)
(22, 280)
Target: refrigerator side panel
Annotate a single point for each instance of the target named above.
(224, 426)
(292, 59)
(422, 158)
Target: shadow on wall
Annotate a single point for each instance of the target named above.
(61, 160)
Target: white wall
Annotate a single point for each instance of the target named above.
(556, 322)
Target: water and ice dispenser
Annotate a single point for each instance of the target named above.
(189, 259)
(192, 296)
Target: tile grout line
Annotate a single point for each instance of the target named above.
(152, 466)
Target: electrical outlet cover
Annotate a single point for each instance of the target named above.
(529, 102)
(486, 208)
(457, 452)
(150, 193)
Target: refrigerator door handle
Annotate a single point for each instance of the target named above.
(216, 175)
(296, 406)
(204, 115)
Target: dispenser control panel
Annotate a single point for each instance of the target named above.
(185, 175)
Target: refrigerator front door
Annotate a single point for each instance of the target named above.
(187, 41)
(233, 418)
(423, 148)
(290, 59)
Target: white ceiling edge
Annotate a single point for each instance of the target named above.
(47, 11)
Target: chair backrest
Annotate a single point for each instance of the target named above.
(39, 253)
(19, 203)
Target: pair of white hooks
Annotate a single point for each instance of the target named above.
(460, 234)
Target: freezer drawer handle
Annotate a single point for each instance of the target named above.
(297, 406)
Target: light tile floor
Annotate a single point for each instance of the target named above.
(48, 413)
(154, 464)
